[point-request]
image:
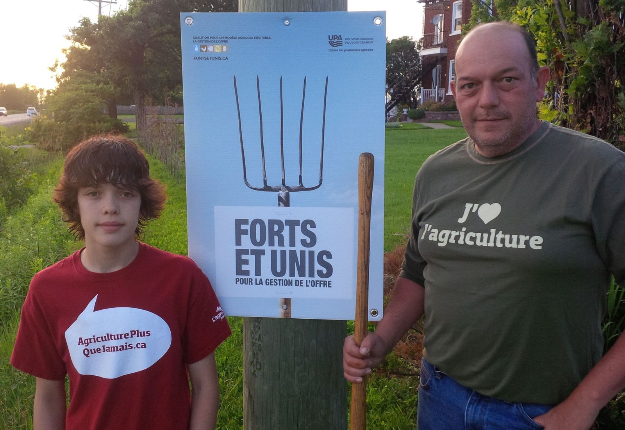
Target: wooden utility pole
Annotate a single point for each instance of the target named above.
(292, 5)
(99, 2)
(293, 369)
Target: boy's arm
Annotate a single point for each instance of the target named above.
(49, 408)
(204, 393)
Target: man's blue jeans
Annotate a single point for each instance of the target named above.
(446, 405)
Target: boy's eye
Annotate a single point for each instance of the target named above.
(128, 194)
(92, 193)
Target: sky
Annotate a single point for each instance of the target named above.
(33, 32)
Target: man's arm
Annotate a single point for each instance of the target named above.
(403, 310)
(603, 382)
(49, 407)
(204, 394)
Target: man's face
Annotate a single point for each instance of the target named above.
(496, 91)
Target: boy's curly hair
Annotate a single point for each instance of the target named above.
(103, 159)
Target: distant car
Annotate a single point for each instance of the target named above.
(31, 111)
(3, 111)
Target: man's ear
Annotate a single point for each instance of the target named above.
(452, 85)
(542, 77)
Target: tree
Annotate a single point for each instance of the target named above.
(15, 98)
(143, 47)
(85, 57)
(76, 109)
(582, 42)
(403, 70)
(137, 51)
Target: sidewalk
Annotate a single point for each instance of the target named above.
(435, 125)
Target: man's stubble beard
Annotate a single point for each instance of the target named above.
(513, 136)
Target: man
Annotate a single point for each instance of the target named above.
(516, 231)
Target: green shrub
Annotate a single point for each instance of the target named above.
(58, 136)
(14, 180)
(18, 172)
(416, 114)
(19, 168)
(612, 416)
(13, 135)
(76, 110)
(614, 320)
(33, 237)
(433, 106)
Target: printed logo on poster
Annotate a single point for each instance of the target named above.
(335, 40)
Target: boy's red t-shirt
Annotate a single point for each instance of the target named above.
(123, 338)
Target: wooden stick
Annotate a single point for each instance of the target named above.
(358, 415)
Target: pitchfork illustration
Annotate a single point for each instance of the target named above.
(282, 189)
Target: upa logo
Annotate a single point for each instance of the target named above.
(118, 341)
(335, 40)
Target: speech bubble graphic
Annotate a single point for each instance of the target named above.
(118, 341)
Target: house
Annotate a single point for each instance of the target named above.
(442, 31)
(442, 28)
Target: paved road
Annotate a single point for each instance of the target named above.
(15, 118)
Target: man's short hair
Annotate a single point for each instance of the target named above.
(530, 43)
(104, 159)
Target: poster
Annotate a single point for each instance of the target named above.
(278, 109)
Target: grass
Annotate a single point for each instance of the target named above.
(451, 123)
(406, 150)
(31, 238)
(169, 232)
(615, 315)
(132, 130)
(405, 126)
(12, 129)
(17, 389)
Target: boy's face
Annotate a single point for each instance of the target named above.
(109, 215)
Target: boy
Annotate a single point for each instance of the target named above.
(129, 324)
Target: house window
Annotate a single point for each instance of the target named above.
(456, 18)
(438, 29)
(452, 74)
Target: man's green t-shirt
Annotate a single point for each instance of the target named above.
(515, 254)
